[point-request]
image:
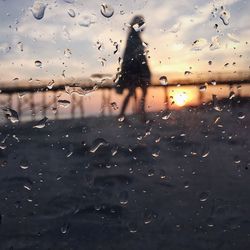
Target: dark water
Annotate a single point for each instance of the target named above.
(180, 183)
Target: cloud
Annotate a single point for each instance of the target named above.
(46, 39)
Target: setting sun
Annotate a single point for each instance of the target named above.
(183, 96)
(180, 99)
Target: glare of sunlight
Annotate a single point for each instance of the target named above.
(180, 99)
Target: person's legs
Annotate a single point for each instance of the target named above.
(142, 102)
(125, 102)
(135, 108)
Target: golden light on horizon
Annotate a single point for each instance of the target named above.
(180, 99)
(183, 96)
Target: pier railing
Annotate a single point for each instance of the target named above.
(33, 103)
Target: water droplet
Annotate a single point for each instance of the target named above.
(225, 16)
(5, 138)
(215, 104)
(41, 123)
(69, 1)
(233, 37)
(38, 9)
(151, 172)
(16, 138)
(58, 177)
(79, 91)
(64, 228)
(175, 28)
(24, 165)
(114, 150)
(97, 143)
(27, 187)
(213, 82)
(107, 10)
(210, 222)
(205, 154)
(215, 44)
(114, 105)
(20, 46)
(217, 108)
(139, 24)
(63, 103)
(203, 88)
(3, 163)
(186, 184)
(217, 119)
(123, 197)
(162, 174)
(231, 95)
(241, 116)
(67, 53)
(4, 48)
(156, 154)
(85, 21)
(139, 27)
(121, 118)
(237, 159)
(51, 84)
(38, 63)
(2, 146)
(145, 44)
(148, 216)
(98, 207)
(71, 13)
(139, 138)
(66, 33)
(132, 226)
(187, 72)
(11, 115)
(166, 117)
(203, 196)
(158, 140)
(199, 44)
(163, 80)
(70, 150)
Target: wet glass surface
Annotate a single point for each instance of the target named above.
(124, 125)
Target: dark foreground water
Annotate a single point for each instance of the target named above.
(179, 182)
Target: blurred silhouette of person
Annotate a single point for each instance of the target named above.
(135, 71)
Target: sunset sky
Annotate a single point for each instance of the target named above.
(69, 50)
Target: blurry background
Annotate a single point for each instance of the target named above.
(53, 44)
(73, 40)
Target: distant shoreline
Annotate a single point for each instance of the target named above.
(110, 85)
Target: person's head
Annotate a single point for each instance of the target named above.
(137, 23)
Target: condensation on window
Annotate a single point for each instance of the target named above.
(124, 124)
